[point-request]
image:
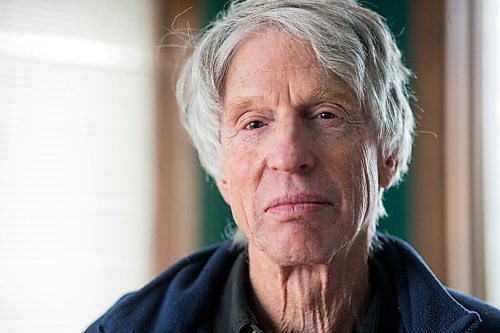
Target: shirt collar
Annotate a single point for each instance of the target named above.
(382, 313)
(234, 313)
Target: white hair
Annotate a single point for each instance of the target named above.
(348, 40)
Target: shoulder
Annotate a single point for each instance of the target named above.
(490, 316)
(425, 304)
(181, 294)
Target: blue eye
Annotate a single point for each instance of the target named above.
(254, 125)
(326, 115)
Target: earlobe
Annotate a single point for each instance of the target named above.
(386, 171)
(223, 187)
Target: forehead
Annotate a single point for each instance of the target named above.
(272, 61)
(272, 51)
(272, 42)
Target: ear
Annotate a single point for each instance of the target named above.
(224, 190)
(386, 170)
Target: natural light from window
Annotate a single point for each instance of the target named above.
(490, 100)
(76, 159)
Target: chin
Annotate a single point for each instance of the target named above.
(293, 258)
(290, 249)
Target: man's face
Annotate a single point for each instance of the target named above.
(300, 160)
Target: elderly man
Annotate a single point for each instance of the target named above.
(299, 111)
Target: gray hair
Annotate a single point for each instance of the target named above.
(348, 40)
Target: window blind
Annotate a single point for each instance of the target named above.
(76, 159)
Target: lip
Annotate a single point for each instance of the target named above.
(297, 204)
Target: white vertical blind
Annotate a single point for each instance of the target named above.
(76, 159)
(489, 94)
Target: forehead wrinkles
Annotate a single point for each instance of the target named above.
(303, 86)
(256, 83)
(278, 53)
(263, 48)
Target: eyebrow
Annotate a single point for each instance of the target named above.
(323, 94)
(320, 94)
(240, 104)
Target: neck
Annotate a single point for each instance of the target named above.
(328, 297)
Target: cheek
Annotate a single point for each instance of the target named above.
(365, 183)
(240, 167)
(354, 168)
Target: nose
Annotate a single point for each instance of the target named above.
(290, 149)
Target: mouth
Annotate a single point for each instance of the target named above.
(297, 204)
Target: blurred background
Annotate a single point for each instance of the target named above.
(100, 189)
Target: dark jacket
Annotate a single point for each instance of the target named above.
(181, 298)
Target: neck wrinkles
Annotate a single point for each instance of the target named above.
(314, 298)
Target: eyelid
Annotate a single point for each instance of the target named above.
(336, 109)
(248, 117)
(343, 114)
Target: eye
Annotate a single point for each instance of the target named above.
(326, 115)
(254, 124)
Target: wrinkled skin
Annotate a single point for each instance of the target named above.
(301, 172)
